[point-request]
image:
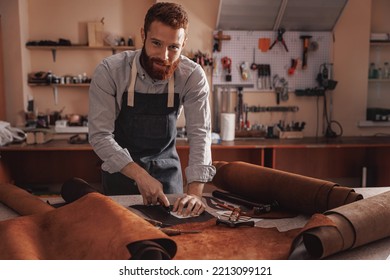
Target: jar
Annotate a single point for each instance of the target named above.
(371, 71)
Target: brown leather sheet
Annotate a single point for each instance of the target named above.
(347, 227)
(96, 227)
(93, 227)
(225, 243)
(296, 193)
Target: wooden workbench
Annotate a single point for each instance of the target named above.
(337, 159)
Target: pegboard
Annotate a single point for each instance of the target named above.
(240, 49)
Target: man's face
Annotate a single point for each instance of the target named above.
(162, 49)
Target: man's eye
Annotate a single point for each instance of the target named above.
(174, 48)
(156, 43)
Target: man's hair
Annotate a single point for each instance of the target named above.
(170, 14)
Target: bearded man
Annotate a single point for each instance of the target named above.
(135, 98)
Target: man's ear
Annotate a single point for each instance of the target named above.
(143, 34)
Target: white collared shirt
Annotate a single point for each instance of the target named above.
(111, 79)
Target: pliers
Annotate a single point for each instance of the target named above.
(279, 38)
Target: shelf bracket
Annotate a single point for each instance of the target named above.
(55, 93)
(54, 53)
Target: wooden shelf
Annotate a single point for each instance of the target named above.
(374, 124)
(59, 85)
(380, 43)
(379, 80)
(54, 49)
(81, 47)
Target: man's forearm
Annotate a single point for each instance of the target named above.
(195, 188)
(133, 171)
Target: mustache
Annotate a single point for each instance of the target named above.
(160, 61)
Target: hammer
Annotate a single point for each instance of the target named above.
(306, 40)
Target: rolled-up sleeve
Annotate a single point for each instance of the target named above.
(198, 125)
(103, 110)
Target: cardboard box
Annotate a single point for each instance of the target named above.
(95, 34)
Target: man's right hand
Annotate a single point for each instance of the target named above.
(150, 188)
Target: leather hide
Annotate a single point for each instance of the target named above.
(93, 227)
(293, 192)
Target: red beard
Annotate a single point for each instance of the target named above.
(165, 71)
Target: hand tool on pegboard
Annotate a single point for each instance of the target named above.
(219, 37)
(227, 66)
(254, 65)
(306, 43)
(267, 74)
(264, 44)
(281, 88)
(239, 109)
(279, 38)
(244, 70)
(260, 76)
(293, 67)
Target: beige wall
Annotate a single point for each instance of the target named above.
(351, 66)
(25, 20)
(12, 60)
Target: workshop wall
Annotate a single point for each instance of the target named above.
(24, 20)
(284, 63)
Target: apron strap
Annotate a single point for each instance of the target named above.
(131, 88)
(171, 92)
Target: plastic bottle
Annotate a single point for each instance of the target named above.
(371, 71)
(379, 73)
(386, 71)
(130, 41)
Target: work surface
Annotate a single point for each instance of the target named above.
(378, 250)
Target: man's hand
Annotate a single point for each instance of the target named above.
(150, 188)
(191, 203)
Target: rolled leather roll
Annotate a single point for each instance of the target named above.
(90, 228)
(293, 192)
(75, 188)
(21, 201)
(344, 228)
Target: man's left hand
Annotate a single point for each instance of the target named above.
(191, 203)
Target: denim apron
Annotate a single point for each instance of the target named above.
(146, 127)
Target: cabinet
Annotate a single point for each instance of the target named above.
(341, 160)
(378, 92)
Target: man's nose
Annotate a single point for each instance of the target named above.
(164, 54)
